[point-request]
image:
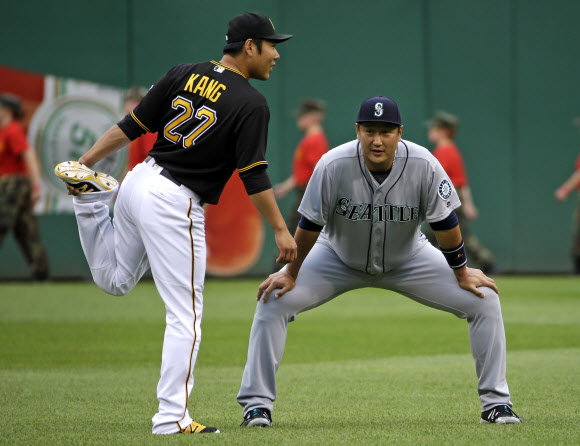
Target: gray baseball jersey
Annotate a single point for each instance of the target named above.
(356, 211)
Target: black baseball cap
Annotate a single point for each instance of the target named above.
(379, 109)
(252, 25)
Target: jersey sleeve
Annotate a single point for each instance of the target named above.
(315, 205)
(252, 136)
(442, 197)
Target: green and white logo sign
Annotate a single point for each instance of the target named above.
(66, 128)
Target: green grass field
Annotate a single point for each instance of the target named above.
(79, 367)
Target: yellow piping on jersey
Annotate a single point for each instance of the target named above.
(252, 165)
(140, 123)
(228, 68)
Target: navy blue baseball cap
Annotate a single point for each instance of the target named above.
(379, 109)
(252, 25)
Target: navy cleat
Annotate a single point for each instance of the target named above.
(258, 418)
(500, 415)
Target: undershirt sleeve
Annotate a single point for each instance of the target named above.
(307, 225)
(448, 222)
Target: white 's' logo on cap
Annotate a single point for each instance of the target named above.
(379, 109)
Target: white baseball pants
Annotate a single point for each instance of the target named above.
(160, 224)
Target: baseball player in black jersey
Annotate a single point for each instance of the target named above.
(210, 122)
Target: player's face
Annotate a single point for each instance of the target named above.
(379, 142)
(263, 63)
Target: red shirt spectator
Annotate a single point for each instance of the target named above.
(139, 149)
(13, 144)
(309, 151)
(450, 158)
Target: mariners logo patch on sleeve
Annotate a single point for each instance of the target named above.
(445, 189)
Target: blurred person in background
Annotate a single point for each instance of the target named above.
(572, 184)
(20, 187)
(139, 148)
(442, 129)
(309, 118)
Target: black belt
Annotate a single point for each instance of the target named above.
(164, 172)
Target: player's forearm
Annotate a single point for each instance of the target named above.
(110, 142)
(450, 239)
(305, 240)
(267, 206)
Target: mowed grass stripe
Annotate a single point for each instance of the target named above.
(415, 400)
(80, 367)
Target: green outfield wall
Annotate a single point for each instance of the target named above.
(508, 68)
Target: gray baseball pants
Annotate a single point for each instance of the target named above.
(426, 278)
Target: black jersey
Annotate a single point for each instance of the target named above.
(210, 122)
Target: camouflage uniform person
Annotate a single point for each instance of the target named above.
(20, 187)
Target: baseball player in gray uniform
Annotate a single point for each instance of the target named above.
(360, 227)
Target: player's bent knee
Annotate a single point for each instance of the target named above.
(490, 303)
(114, 289)
(273, 308)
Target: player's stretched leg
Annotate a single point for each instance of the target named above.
(115, 252)
(322, 277)
(428, 279)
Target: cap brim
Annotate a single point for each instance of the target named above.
(278, 37)
(273, 38)
(362, 121)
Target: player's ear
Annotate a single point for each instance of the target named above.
(357, 127)
(249, 47)
(400, 132)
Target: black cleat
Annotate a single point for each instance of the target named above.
(500, 415)
(258, 418)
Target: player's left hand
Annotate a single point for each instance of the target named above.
(281, 280)
(471, 279)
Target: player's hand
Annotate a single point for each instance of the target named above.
(471, 278)
(287, 246)
(281, 280)
(71, 190)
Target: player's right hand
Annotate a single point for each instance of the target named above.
(281, 280)
(72, 191)
(287, 246)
